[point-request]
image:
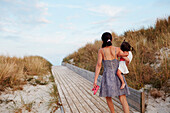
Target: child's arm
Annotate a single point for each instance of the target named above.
(121, 54)
(127, 60)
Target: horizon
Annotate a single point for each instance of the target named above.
(55, 29)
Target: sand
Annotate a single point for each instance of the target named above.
(36, 96)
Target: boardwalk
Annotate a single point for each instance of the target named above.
(76, 94)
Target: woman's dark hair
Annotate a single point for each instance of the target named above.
(105, 38)
(125, 46)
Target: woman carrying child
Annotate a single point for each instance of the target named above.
(111, 83)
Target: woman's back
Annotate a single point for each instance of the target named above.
(109, 60)
(109, 53)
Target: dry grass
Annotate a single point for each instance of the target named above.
(25, 106)
(146, 43)
(14, 71)
(85, 57)
(54, 103)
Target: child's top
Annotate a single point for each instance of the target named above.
(122, 64)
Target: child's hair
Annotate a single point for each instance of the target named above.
(125, 46)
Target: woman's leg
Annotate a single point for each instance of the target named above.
(121, 78)
(110, 104)
(124, 103)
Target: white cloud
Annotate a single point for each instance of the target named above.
(43, 20)
(109, 14)
(73, 17)
(65, 5)
(41, 5)
(106, 10)
(7, 30)
(68, 26)
(104, 21)
(19, 15)
(48, 39)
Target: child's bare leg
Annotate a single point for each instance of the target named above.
(121, 78)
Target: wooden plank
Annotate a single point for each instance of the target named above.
(74, 68)
(90, 84)
(79, 97)
(83, 86)
(91, 105)
(75, 100)
(117, 109)
(68, 98)
(91, 97)
(64, 102)
(88, 89)
(115, 100)
(134, 90)
(87, 108)
(134, 104)
(143, 102)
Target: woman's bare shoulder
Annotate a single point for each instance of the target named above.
(100, 50)
(117, 48)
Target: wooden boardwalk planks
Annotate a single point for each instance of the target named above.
(76, 95)
(61, 95)
(136, 99)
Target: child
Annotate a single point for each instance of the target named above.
(124, 61)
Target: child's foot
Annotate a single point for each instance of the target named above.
(123, 85)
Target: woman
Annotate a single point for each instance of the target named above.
(110, 83)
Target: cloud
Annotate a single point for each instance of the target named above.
(47, 39)
(18, 15)
(162, 3)
(65, 5)
(7, 30)
(67, 26)
(109, 16)
(43, 20)
(73, 17)
(104, 21)
(12, 38)
(106, 10)
(148, 21)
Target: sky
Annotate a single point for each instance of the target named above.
(54, 29)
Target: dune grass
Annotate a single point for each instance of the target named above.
(147, 43)
(54, 103)
(14, 71)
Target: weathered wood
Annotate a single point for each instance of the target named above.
(64, 102)
(83, 98)
(143, 102)
(89, 85)
(135, 99)
(76, 93)
(91, 103)
(86, 92)
(68, 98)
(84, 84)
(73, 96)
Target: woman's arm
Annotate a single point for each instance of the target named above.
(98, 66)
